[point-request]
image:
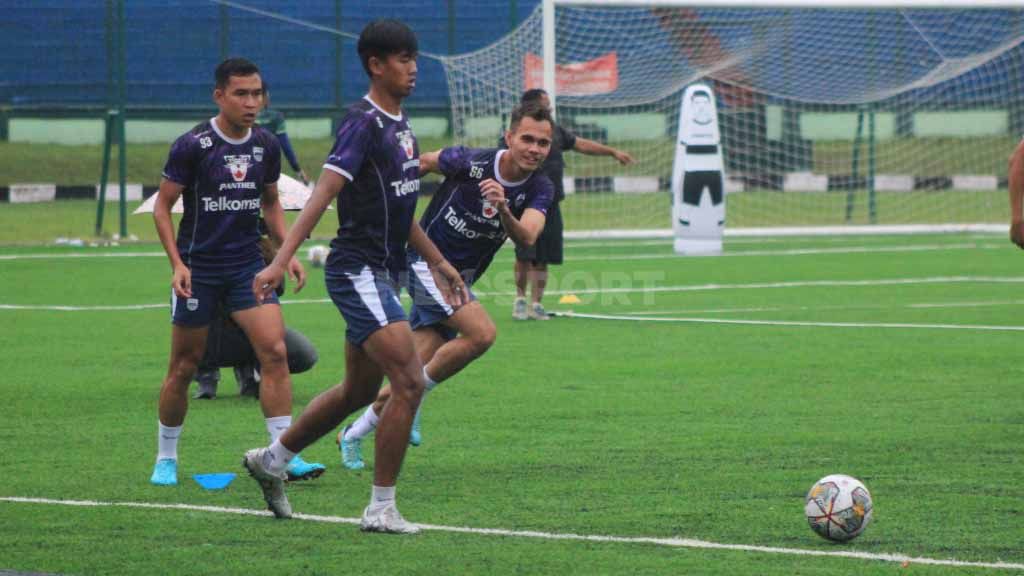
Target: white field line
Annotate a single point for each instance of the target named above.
(584, 244)
(127, 307)
(668, 542)
(803, 231)
(781, 285)
(792, 252)
(62, 255)
(67, 308)
(507, 254)
(897, 325)
(914, 305)
(625, 290)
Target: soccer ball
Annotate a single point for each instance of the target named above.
(317, 255)
(838, 507)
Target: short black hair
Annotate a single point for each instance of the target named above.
(233, 67)
(533, 95)
(382, 38)
(532, 109)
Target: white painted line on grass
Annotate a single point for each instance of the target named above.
(571, 314)
(774, 231)
(795, 252)
(780, 285)
(669, 542)
(80, 255)
(733, 241)
(63, 308)
(915, 305)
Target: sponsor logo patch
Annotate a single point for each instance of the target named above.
(238, 165)
(489, 211)
(405, 140)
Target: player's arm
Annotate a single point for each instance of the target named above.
(529, 226)
(429, 162)
(273, 215)
(328, 186)
(594, 148)
(1017, 196)
(447, 278)
(523, 231)
(167, 195)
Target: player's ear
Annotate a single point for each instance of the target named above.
(508, 138)
(376, 65)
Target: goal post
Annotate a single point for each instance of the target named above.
(843, 114)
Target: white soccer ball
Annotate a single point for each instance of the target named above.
(318, 255)
(838, 507)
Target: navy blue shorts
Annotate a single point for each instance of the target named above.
(367, 299)
(212, 289)
(428, 305)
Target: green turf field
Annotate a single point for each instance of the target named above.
(734, 384)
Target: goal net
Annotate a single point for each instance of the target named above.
(828, 116)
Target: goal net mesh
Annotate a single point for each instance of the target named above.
(828, 116)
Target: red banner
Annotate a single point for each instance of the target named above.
(597, 76)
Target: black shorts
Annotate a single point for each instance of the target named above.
(548, 247)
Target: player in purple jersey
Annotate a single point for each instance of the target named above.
(487, 196)
(226, 171)
(373, 170)
(532, 263)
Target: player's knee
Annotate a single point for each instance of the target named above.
(482, 340)
(408, 387)
(274, 356)
(184, 368)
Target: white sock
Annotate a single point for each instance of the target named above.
(167, 441)
(277, 457)
(382, 496)
(430, 381)
(363, 425)
(277, 425)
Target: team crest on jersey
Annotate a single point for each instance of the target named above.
(519, 199)
(257, 153)
(238, 165)
(489, 210)
(406, 141)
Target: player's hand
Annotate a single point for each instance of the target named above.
(1017, 233)
(266, 282)
(449, 281)
(181, 282)
(304, 177)
(494, 193)
(623, 157)
(297, 273)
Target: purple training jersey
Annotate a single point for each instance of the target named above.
(223, 179)
(467, 230)
(377, 153)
